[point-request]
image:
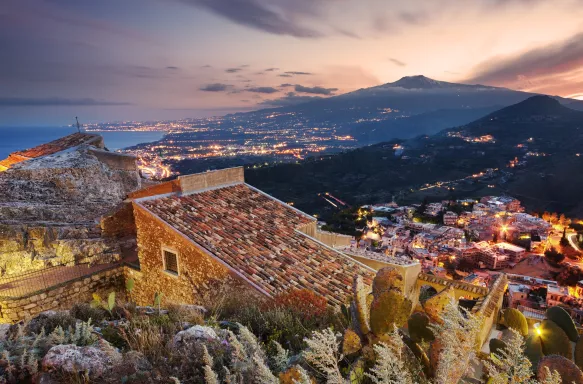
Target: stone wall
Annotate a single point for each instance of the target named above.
(61, 296)
(213, 179)
(115, 160)
(199, 273)
(120, 224)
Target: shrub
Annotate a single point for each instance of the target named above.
(114, 337)
(569, 372)
(47, 321)
(560, 317)
(84, 312)
(514, 319)
(496, 345)
(554, 340)
(418, 327)
(304, 302)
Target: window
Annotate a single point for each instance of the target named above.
(170, 259)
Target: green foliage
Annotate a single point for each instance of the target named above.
(533, 350)
(389, 308)
(562, 318)
(158, 299)
(554, 340)
(569, 372)
(130, 285)
(110, 301)
(418, 328)
(107, 305)
(514, 319)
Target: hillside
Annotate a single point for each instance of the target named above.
(543, 135)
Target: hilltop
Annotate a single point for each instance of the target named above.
(542, 134)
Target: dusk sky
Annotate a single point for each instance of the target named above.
(107, 60)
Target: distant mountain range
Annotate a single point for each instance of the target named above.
(532, 150)
(411, 106)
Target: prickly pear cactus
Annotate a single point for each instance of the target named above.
(388, 308)
(434, 306)
(387, 278)
(361, 308)
(351, 342)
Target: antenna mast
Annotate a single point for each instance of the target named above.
(78, 125)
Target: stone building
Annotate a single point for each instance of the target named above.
(215, 229)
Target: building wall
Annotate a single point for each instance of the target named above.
(202, 181)
(156, 189)
(61, 296)
(199, 273)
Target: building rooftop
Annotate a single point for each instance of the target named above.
(258, 237)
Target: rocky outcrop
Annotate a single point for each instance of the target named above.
(67, 187)
(50, 208)
(95, 361)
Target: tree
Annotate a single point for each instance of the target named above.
(564, 242)
(546, 216)
(554, 256)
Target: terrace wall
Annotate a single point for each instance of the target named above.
(61, 296)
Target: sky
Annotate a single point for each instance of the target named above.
(119, 60)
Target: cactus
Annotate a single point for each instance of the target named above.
(514, 319)
(579, 353)
(435, 305)
(389, 308)
(569, 372)
(387, 278)
(418, 353)
(360, 306)
(496, 346)
(562, 318)
(554, 340)
(418, 327)
(533, 350)
(435, 350)
(351, 342)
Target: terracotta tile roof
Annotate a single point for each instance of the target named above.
(256, 236)
(46, 149)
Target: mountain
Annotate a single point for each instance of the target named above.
(397, 109)
(540, 135)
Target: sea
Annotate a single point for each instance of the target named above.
(18, 138)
